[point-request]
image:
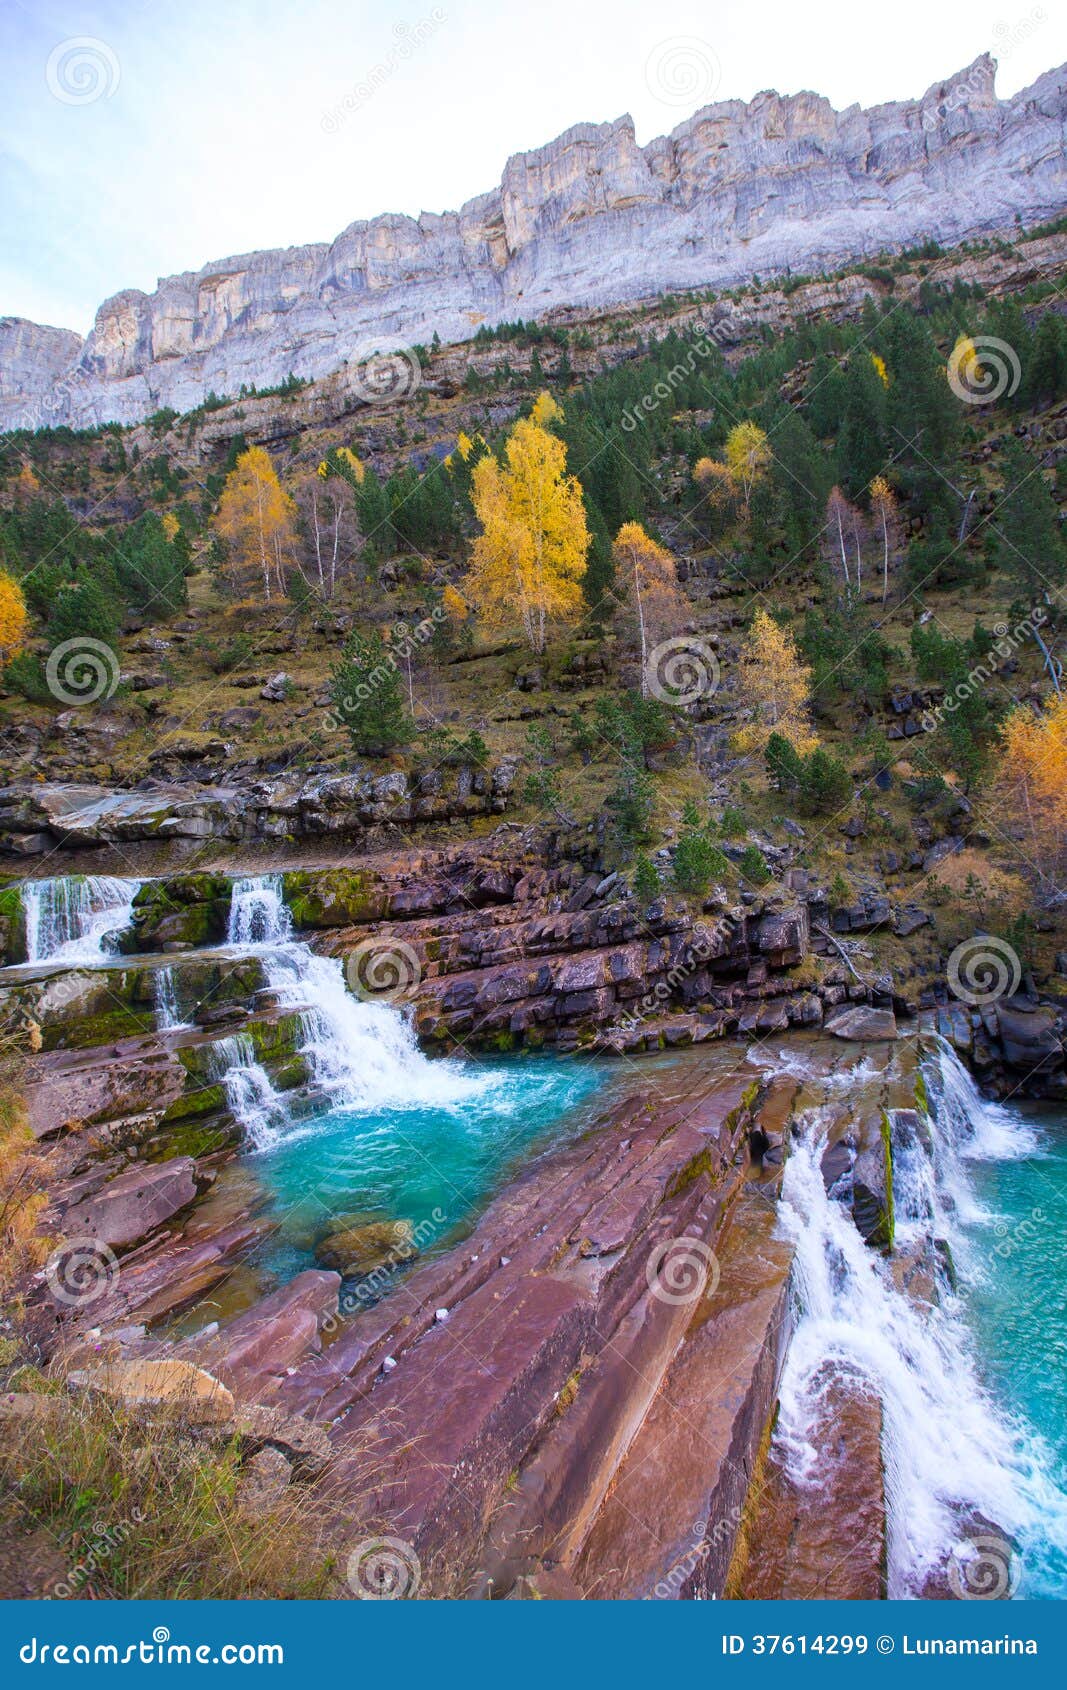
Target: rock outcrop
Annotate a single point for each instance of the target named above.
(780, 183)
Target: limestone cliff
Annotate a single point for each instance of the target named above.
(591, 219)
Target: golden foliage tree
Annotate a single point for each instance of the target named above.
(745, 460)
(1030, 782)
(650, 599)
(887, 520)
(775, 686)
(27, 486)
(256, 520)
(527, 563)
(14, 618)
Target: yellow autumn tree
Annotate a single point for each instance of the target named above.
(528, 561)
(1030, 786)
(646, 584)
(256, 519)
(886, 516)
(746, 455)
(14, 618)
(775, 687)
(545, 410)
(27, 485)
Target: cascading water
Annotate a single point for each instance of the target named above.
(361, 1055)
(169, 1018)
(72, 918)
(950, 1454)
(249, 1090)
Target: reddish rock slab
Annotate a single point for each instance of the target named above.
(255, 1352)
(826, 1538)
(135, 1203)
(668, 1526)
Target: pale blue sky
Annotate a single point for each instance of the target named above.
(224, 125)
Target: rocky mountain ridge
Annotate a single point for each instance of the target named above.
(777, 184)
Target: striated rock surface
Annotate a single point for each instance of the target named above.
(592, 219)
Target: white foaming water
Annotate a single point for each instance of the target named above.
(948, 1454)
(250, 1092)
(69, 919)
(361, 1055)
(168, 1010)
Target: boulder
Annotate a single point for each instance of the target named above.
(354, 1250)
(860, 1021)
(160, 1381)
(134, 1204)
(1031, 1035)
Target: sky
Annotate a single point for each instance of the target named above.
(143, 137)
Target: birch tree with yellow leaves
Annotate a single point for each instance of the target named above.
(746, 457)
(527, 563)
(775, 688)
(256, 519)
(1030, 785)
(650, 599)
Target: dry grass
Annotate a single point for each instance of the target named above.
(23, 1247)
(152, 1506)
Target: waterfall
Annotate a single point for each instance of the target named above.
(169, 1017)
(249, 1090)
(948, 1454)
(72, 918)
(361, 1055)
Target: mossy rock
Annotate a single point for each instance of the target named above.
(12, 924)
(337, 897)
(190, 910)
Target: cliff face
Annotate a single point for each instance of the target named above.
(591, 219)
